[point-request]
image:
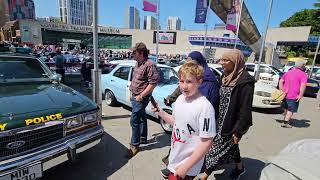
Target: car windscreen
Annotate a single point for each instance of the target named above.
(15, 68)
(280, 73)
(167, 76)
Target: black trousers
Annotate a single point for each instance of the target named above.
(62, 73)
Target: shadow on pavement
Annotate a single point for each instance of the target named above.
(115, 117)
(253, 170)
(302, 123)
(97, 163)
(268, 111)
(158, 140)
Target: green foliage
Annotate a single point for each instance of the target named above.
(317, 4)
(291, 54)
(306, 17)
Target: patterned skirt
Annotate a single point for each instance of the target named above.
(223, 151)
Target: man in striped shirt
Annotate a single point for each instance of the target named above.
(144, 79)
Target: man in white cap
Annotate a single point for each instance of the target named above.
(293, 83)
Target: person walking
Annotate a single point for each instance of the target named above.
(193, 130)
(209, 88)
(235, 115)
(144, 79)
(60, 61)
(293, 83)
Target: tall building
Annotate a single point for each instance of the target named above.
(150, 23)
(77, 12)
(132, 18)
(11, 10)
(173, 23)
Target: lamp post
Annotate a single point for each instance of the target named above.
(257, 72)
(315, 57)
(96, 72)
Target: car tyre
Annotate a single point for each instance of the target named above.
(109, 98)
(165, 126)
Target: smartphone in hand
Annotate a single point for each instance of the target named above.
(153, 102)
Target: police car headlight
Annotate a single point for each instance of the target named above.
(88, 118)
(74, 122)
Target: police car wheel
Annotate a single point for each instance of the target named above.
(165, 126)
(110, 99)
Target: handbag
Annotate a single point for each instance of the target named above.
(278, 95)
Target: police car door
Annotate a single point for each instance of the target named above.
(267, 76)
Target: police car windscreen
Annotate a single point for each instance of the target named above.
(14, 68)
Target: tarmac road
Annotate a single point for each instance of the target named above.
(106, 161)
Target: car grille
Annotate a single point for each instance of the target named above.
(32, 139)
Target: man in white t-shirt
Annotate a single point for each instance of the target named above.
(193, 123)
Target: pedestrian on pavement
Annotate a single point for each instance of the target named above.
(209, 88)
(235, 115)
(194, 129)
(60, 61)
(144, 79)
(293, 83)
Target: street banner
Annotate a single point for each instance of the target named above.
(233, 15)
(150, 5)
(201, 11)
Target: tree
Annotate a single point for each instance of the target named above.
(317, 4)
(306, 17)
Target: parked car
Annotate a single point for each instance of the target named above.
(315, 72)
(262, 92)
(298, 160)
(115, 87)
(268, 73)
(312, 86)
(43, 123)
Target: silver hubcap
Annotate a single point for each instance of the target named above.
(108, 97)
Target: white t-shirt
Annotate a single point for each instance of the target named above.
(193, 120)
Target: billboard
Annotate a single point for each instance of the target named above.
(165, 37)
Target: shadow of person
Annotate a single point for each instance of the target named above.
(97, 163)
(253, 170)
(158, 140)
(302, 123)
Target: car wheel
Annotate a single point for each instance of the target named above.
(165, 126)
(109, 98)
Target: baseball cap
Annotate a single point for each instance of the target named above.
(139, 46)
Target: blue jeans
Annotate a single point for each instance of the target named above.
(138, 120)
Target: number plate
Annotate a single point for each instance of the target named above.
(25, 173)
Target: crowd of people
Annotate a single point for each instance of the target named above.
(219, 113)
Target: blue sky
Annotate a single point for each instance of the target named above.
(112, 12)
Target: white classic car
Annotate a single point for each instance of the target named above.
(262, 91)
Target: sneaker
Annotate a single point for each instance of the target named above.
(236, 173)
(132, 151)
(143, 141)
(165, 173)
(286, 125)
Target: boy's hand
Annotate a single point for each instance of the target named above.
(181, 171)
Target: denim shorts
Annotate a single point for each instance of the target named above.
(291, 105)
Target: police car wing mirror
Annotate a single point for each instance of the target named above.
(56, 78)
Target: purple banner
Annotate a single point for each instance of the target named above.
(201, 11)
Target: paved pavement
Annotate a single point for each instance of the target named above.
(106, 161)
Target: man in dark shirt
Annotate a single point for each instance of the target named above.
(60, 62)
(144, 80)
